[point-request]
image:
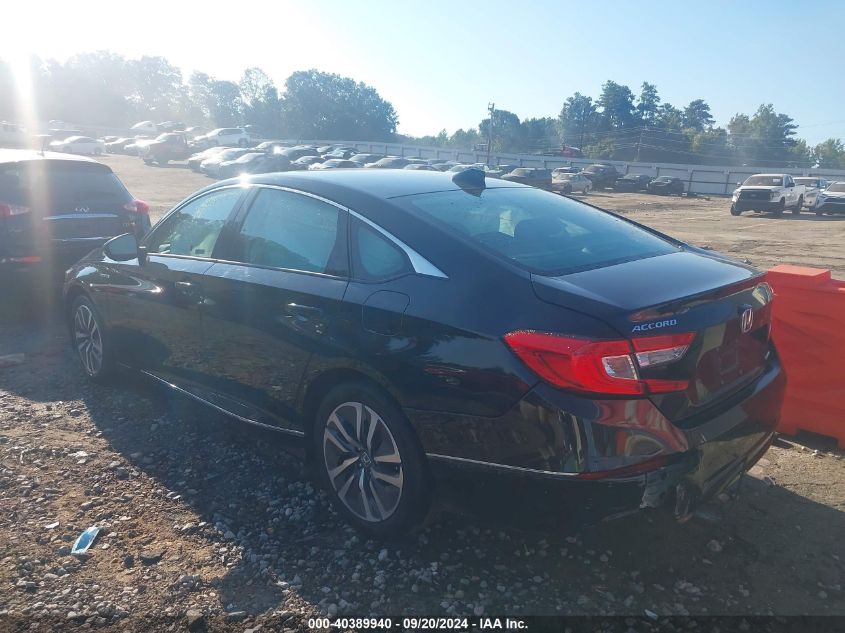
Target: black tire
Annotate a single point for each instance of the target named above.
(734, 210)
(401, 506)
(780, 208)
(797, 208)
(85, 341)
(567, 190)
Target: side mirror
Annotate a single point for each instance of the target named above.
(738, 183)
(790, 184)
(123, 248)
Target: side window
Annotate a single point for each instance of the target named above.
(194, 229)
(376, 257)
(293, 231)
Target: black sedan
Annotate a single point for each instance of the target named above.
(420, 336)
(632, 182)
(666, 186)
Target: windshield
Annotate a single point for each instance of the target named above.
(837, 186)
(807, 182)
(764, 181)
(538, 231)
(249, 157)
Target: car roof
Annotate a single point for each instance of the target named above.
(341, 183)
(25, 155)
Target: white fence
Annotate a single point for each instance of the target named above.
(701, 179)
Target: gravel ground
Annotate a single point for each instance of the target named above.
(208, 524)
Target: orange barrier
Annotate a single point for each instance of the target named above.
(808, 328)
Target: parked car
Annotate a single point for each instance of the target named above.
(133, 148)
(602, 176)
(498, 171)
(366, 159)
(666, 186)
(342, 152)
(253, 163)
(211, 165)
(459, 167)
(195, 131)
(389, 162)
(343, 310)
(566, 183)
(118, 145)
(335, 163)
(566, 170)
(147, 128)
(632, 183)
(768, 192)
(831, 199)
(228, 136)
(54, 208)
(79, 145)
(813, 185)
(271, 146)
(166, 147)
(195, 161)
(299, 151)
(420, 166)
(534, 176)
(304, 162)
(12, 135)
(446, 165)
(170, 126)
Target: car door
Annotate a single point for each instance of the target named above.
(154, 306)
(275, 302)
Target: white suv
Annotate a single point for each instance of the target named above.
(224, 136)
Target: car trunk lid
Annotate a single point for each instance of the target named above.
(724, 304)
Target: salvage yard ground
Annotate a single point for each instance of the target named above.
(200, 515)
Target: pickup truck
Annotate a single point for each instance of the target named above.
(768, 192)
(164, 148)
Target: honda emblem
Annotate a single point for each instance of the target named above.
(747, 319)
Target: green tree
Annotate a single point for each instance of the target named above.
(648, 103)
(155, 87)
(324, 105)
(261, 104)
(697, 116)
(577, 119)
(226, 104)
(617, 105)
(669, 117)
(829, 154)
(766, 138)
(507, 131)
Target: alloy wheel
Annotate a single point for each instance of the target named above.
(362, 461)
(88, 340)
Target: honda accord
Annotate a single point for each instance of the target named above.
(415, 334)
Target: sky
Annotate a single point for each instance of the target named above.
(441, 62)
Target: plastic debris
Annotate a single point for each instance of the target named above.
(85, 540)
(651, 614)
(51, 526)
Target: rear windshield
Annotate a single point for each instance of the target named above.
(809, 182)
(539, 231)
(57, 184)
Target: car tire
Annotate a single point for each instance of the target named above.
(734, 210)
(587, 189)
(797, 208)
(780, 208)
(90, 341)
(370, 462)
(567, 190)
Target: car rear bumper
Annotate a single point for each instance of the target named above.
(536, 463)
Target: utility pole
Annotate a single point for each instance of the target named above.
(491, 108)
(640, 142)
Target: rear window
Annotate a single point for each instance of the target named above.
(764, 181)
(539, 231)
(58, 184)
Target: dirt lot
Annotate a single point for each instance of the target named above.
(200, 516)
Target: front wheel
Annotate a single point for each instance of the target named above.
(567, 190)
(89, 340)
(797, 208)
(734, 210)
(370, 462)
(780, 208)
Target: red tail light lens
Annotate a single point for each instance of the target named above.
(137, 206)
(7, 210)
(609, 367)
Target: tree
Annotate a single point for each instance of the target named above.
(155, 87)
(261, 105)
(669, 117)
(617, 105)
(226, 104)
(577, 119)
(324, 105)
(648, 103)
(830, 154)
(766, 137)
(507, 131)
(697, 116)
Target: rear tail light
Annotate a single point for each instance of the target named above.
(609, 367)
(7, 210)
(137, 206)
